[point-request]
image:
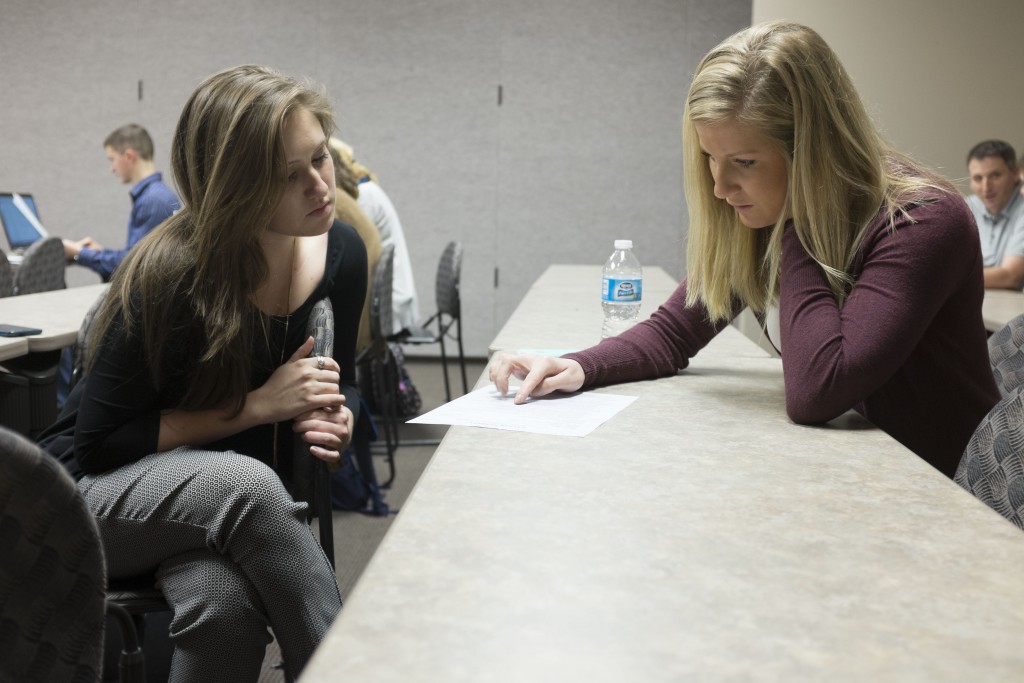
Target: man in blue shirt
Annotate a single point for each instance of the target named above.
(130, 152)
(998, 209)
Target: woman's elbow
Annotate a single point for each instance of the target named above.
(810, 409)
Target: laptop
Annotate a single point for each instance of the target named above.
(21, 224)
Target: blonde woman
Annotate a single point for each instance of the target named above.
(347, 210)
(199, 376)
(796, 200)
(375, 203)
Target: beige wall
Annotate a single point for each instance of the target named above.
(937, 77)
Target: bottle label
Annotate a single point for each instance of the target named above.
(627, 290)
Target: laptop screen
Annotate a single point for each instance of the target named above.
(20, 219)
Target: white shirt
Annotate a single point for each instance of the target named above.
(378, 207)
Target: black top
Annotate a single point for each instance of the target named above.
(112, 417)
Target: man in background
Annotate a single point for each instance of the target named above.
(998, 209)
(130, 152)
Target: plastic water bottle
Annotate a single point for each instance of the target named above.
(621, 289)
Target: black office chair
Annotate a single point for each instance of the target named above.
(52, 600)
(311, 478)
(374, 362)
(992, 466)
(447, 317)
(6, 276)
(1006, 354)
(42, 267)
(131, 599)
(35, 375)
(80, 348)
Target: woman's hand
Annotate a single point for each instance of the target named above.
(297, 388)
(328, 432)
(541, 375)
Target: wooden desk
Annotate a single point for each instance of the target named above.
(1000, 306)
(697, 536)
(58, 314)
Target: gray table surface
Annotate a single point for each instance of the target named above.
(697, 536)
(1000, 306)
(58, 314)
(562, 309)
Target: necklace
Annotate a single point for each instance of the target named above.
(284, 337)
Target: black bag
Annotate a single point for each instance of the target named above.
(407, 398)
(354, 483)
(349, 491)
(409, 401)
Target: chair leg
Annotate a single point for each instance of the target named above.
(462, 356)
(325, 511)
(132, 662)
(279, 666)
(444, 363)
(385, 382)
(391, 421)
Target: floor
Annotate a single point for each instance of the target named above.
(356, 535)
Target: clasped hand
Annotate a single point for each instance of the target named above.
(309, 395)
(540, 375)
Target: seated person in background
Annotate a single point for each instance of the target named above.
(198, 379)
(405, 308)
(130, 152)
(347, 210)
(1020, 165)
(795, 198)
(999, 212)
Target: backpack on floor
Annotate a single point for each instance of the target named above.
(354, 482)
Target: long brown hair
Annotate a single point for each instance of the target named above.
(202, 266)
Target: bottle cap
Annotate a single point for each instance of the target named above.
(623, 244)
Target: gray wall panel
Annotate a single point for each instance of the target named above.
(584, 149)
(591, 132)
(60, 94)
(415, 85)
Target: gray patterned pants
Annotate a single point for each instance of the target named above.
(231, 552)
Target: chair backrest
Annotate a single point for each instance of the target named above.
(992, 466)
(80, 349)
(321, 327)
(6, 276)
(42, 267)
(310, 481)
(51, 570)
(380, 301)
(446, 286)
(1006, 354)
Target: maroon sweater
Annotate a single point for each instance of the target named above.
(907, 350)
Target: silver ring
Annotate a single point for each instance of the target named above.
(320, 362)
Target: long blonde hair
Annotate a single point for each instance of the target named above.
(201, 266)
(782, 79)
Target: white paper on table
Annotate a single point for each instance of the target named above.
(558, 414)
